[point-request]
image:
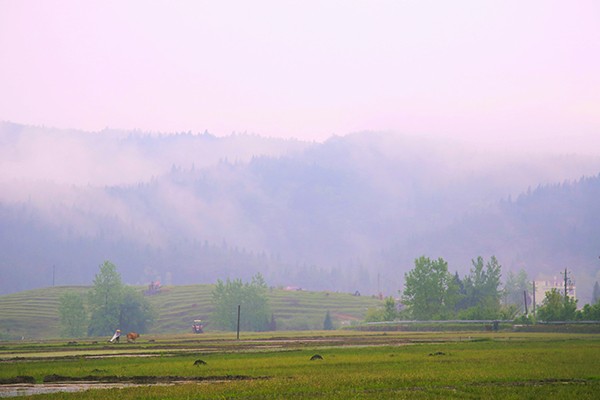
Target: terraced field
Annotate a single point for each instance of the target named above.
(34, 314)
(300, 310)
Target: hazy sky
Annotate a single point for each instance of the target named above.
(520, 71)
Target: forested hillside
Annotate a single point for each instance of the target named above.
(348, 214)
(543, 231)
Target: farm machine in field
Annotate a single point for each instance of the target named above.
(198, 326)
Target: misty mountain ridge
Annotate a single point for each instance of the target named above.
(351, 213)
(114, 157)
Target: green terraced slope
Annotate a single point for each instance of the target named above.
(34, 313)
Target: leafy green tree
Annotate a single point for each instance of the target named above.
(390, 311)
(73, 316)
(135, 312)
(514, 286)
(327, 322)
(557, 307)
(482, 290)
(115, 306)
(509, 312)
(105, 301)
(589, 312)
(461, 301)
(429, 290)
(374, 315)
(252, 299)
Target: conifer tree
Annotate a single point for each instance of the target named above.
(327, 323)
(596, 294)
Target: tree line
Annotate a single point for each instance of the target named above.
(431, 292)
(108, 306)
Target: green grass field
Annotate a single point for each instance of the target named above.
(354, 365)
(34, 313)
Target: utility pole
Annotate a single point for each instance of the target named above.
(53, 274)
(533, 298)
(567, 281)
(238, 323)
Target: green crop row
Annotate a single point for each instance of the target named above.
(386, 365)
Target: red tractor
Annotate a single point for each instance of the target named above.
(198, 326)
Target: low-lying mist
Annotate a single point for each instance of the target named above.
(351, 213)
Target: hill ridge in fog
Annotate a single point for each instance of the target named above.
(351, 213)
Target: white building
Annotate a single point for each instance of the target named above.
(541, 287)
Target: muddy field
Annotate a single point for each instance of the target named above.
(349, 365)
